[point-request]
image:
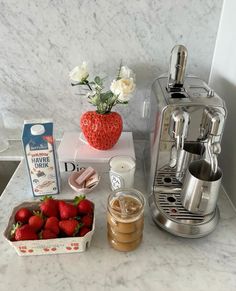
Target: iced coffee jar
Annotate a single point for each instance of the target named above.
(125, 219)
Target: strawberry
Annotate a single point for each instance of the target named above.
(23, 215)
(36, 221)
(67, 210)
(102, 131)
(49, 207)
(87, 220)
(69, 227)
(52, 223)
(83, 230)
(25, 232)
(47, 234)
(84, 206)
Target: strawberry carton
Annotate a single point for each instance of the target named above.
(55, 235)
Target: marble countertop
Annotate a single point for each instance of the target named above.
(14, 151)
(162, 262)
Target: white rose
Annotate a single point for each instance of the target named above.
(123, 88)
(79, 74)
(126, 73)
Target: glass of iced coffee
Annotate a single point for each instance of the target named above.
(125, 219)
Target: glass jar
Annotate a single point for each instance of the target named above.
(125, 219)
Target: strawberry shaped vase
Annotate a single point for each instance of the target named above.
(102, 131)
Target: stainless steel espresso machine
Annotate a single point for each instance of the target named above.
(186, 126)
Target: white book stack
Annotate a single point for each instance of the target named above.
(74, 153)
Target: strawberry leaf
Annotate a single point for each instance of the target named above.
(77, 199)
(38, 213)
(78, 217)
(77, 228)
(14, 228)
(46, 197)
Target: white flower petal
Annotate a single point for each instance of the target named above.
(78, 74)
(123, 88)
(126, 73)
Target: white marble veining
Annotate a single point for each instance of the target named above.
(41, 41)
(162, 262)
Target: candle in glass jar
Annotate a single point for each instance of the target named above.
(122, 169)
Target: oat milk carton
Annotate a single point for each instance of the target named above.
(40, 155)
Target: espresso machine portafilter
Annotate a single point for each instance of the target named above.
(186, 127)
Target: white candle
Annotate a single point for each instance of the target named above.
(122, 170)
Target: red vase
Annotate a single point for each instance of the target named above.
(102, 131)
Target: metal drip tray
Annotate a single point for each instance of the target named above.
(170, 204)
(166, 177)
(168, 212)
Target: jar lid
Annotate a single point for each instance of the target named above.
(37, 129)
(126, 205)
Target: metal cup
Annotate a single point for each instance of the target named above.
(201, 188)
(190, 153)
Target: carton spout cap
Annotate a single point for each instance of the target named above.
(37, 129)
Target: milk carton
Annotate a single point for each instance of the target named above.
(40, 155)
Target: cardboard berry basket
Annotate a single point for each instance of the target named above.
(47, 246)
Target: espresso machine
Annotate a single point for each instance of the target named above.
(186, 126)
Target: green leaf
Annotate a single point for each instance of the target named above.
(14, 228)
(112, 100)
(98, 81)
(77, 199)
(46, 197)
(122, 102)
(106, 96)
(94, 100)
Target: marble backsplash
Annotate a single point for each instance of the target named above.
(41, 41)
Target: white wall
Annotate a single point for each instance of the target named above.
(223, 81)
(41, 41)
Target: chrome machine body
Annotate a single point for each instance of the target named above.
(184, 113)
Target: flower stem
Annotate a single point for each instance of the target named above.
(87, 83)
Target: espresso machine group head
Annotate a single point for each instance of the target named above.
(186, 126)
